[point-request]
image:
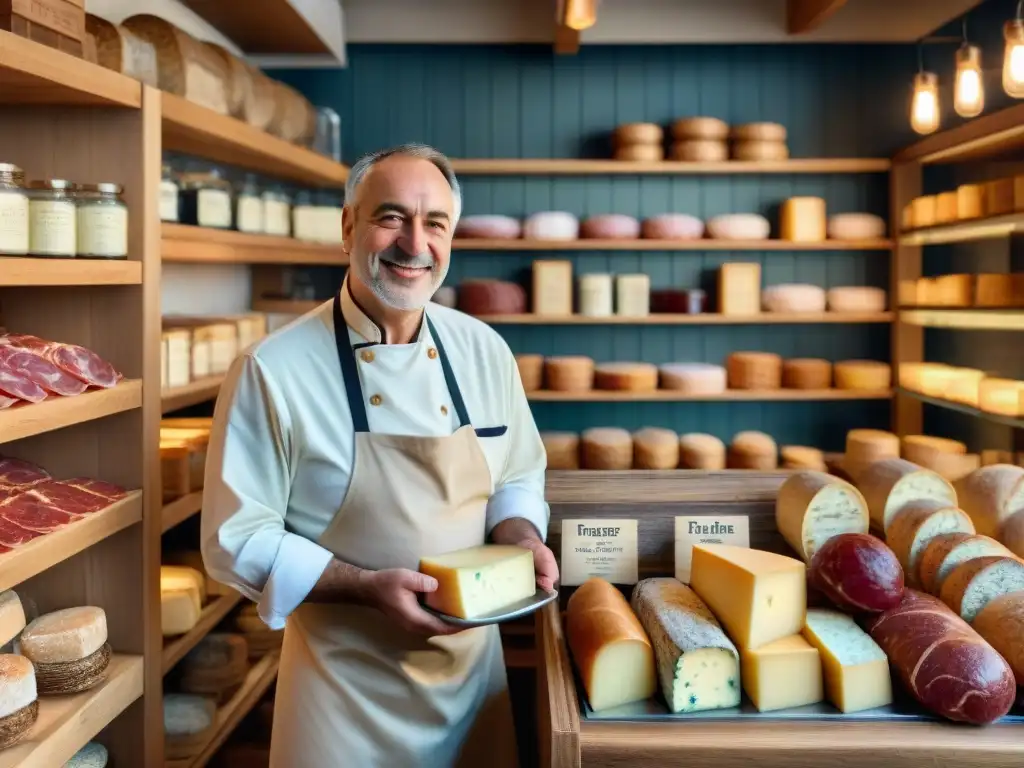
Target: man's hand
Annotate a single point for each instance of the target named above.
(394, 593)
(521, 533)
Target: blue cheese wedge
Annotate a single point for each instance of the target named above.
(480, 580)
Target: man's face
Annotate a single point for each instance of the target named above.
(398, 231)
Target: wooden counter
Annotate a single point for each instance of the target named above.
(568, 740)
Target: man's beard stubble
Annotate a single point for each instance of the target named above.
(389, 289)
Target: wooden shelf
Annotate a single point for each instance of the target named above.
(704, 244)
(582, 167)
(56, 412)
(1008, 421)
(986, 136)
(32, 73)
(68, 723)
(262, 26)
(706, 318)
(213, 613)
(990, 228)
(285, 306)
(191, 394)
(16, 271)
(230, 715)
(203, 245)
(178, 511)
(732, 395)
(965, 319)
(195, 130)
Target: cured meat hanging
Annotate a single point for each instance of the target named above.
(72, 359)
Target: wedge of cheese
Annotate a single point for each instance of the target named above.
(480, 580)
(782, 674)
(855, 669)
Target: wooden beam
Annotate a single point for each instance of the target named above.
(802, 16)
(567, 40)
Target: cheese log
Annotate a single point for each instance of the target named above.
(607, 448)
(855, 669)
(562, 449)
(531, 371)
(698, 665)
(700, 128)
(491, 297)
(699, 151)
(806, 373)
(793, 298)
(866, 446)
(758, 596)
(655, 448)
(479, 580)
(855, 298)
(892, 484)
(1012, 533)
(610, 226)
(693, 378)
(610, 648)
(739, 226)
(918, 523)
(17, 683)
(856, 226)
(946, 551)
(946, 665)
(812, 507)
(782, 674)
(572, 373)
(862, 374)
(803, 219)
(754, 370)
(672, 226)
(551, 225)
(489, 226)
(1001, 623)
(990, 495)
(627, 377)
(802, 457)
(701, 451)
(858, 573)
(971, 585)
(12, 616)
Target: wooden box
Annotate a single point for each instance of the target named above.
(58, 24)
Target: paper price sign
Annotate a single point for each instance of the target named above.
(707, 529)
(604, 548)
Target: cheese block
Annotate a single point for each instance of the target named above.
(1002, 396)
(193, 558)
(699, 151)
(998, 197)
(1012, 533)
(862, 374)
(693, 378)
(793, 297)
(632, 295)
(551, 225)
(920, 449)
(782, 674)
(12, 616)
(812, 507)
(562, 449)
(855, 669)
(698, 665)
(890, 485)
(179, 611)
(760, 131)
(701, 451)
(672, 226)
(610, 647)
(17, 683)
(752, 450)
(655, 448)
(945, 207)
(69, 634)
(754, 370)
(990, 495)
(491, 297)
(915, 525)
(531, 371)
(952, 290)
(1001, 623)
(699, 128)
(176, 577)
(758, 596)
(739, 288)
(803, 219)
(552, 287)
(638, 133)
(806, 373)
(994, 290)
(92, 755)
(856, 298)
(607, 448)
(595, 295)
(627, 377)
(640, 153)
(479, 580)
(856, 226)
(802, 457)
(573, 373)
(866, 446)
(759, 151)
(946, 551)
(924, 208)
(610, 226)
(186, 714)
(970, 202)
(739, 226)
(489, 226)
(907, 293)
(971, 585)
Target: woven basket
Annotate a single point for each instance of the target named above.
(64, 677)
(14, 727)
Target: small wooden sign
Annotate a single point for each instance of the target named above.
(599, 547)
(707, 529)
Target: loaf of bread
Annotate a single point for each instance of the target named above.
(812, 507)
(1001, 623)
(915, 525)
(990, 495)
(893, 484)
(946, 551)
(973, 584)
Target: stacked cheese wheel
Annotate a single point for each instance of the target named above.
(768, 371)
(638, 142)
(700, 140)
(966, 202)
(759, 142)
(968, 386)
(989, 290)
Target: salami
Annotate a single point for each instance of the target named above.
(72, 359)
(40, 371)
(15, 385)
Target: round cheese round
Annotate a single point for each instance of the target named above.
(69, 634)
(531, 371)
(638, 133)
(491, 297)
(701, 451)
(793, 297)
(760, 151)
(739, 226)
(673, 226)
(754, 370)
(802, 457)
(607, 448)
(761, 131)
(806, 373)
(573, 373)
(856, 298)
(753, 450)
(562, 449)
(490, 226)
(17, 683)
(812, 507)
(856, 226)
(655, 448)
(686, 128)
(693, 378)
(862, 374)
(551, 225)
(866, 446)
(631, 377)
(610, 226)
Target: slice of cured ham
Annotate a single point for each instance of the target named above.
(15, 385)
(13, 535)
(66, 497)
(106, 491)
(74, 360)
(34, 513)
(40, 371)
(16, 472)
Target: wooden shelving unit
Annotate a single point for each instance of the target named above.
(23, 272)
(21, 421)
(213, 613)
(202, 245)
(965, 319)
(704, 244)
(583, 167)
(995, 418)
(731, 395)
(989, 228)
(191, 394)
(178, 511)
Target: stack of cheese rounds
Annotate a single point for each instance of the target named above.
(215, 667)
(189, 722)
(758, 142)
(700, 140)
(639, 142)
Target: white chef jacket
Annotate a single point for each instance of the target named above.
(282, 445)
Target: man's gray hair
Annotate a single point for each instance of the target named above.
(440, 161)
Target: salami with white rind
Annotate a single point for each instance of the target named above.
(490, 226)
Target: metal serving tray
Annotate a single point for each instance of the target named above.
(517, 610)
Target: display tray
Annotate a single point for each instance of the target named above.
(517, 610)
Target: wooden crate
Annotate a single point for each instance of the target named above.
(58, 24)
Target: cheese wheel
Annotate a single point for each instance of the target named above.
(12, 616)
(921, 448)
(806, 373)
(802, 219)
(672, 226)
(551, 225)
(595, 295)
(793, 297)
(531, 371)
(701, 451)
(946, 551)
(1012, 533)
(17, 683)
(446, 296)
(753, 450)
(739, 226)
(924, 211)
(69, 634)
(759, 151)
(655, 448)
(700, 128)
(699, 151)
(907, 217)
(490, 226)
(856, 226)
(1001, 396)
(963, 385)
(812, 507)
(866, 446)
(973, 584)
(862, 374)
(802, 457)
(1001, 623)
(754, 370)
(890, 485)
(856, 298)
(628, 377)
(945, 207)
(640, 153)
(998, 197)
(573, 373)
(607, 448)
(693, 378)
(610, 226)
(562, 449)
(179, 577)
(995, 290)
(970, 201)
(92, 755)
(951, 290)
(915, 525)
(491, 297)
(611, 649)
(762, 131)
(638, 133)
(990, 495)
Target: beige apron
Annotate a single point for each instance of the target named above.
(353, 688)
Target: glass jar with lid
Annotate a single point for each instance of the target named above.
(304, 216)
(102, 221)
(205, 200)
(277, 212)
(329, 207)
(13, 211)
(52, 220)
(249, 206)
(168, 194)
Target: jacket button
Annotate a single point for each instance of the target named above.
(367, 355)
(444, 410)
(376, 400)
(431, 353)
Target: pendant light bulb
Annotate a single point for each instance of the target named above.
(924, 105)
(969, 90)
(580, 14)
(1013, 59)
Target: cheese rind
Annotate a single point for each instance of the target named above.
(12, 616)
(655, 448)
(782, 674)
(180, 577)
(990, 495)
(607, 448)
(479, 580)
(17, 683)
(854, 667)
(862, 374)
(973, 584)
(891, 484)
(812, 507)
(915, 525)
(1001, 623)
(698, 450)
(69, 634)
(866, 446)
(698, 665)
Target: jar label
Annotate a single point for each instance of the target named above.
(213, 208)
(168, 201)
(249, 217)
(103, 230)
(52, 227)
(13, 223)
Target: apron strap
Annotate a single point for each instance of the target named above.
(449, 375)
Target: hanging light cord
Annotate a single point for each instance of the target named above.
(1020, 9)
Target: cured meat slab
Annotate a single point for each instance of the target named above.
(52, 504)
(14, 472)
(40, 371)
(74, 360)
(19, 387)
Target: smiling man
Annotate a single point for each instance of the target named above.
(375, 430)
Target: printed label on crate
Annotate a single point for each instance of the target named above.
(707, 529)
(604, 548)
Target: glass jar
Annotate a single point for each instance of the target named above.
(52, 223)
(102, 221)
(248, 206)
(13, 211)
(329, 206)
(304, 215)
(168, 195)
(205, 200)
(277, 212)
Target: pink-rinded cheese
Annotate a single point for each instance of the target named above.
(490, 226)
(491, 297)
(693, 378)
(551, 225)
(610, 226)
(856, 226)
(739, 226)
(793, 297)
(856, 298)
(673, 226)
